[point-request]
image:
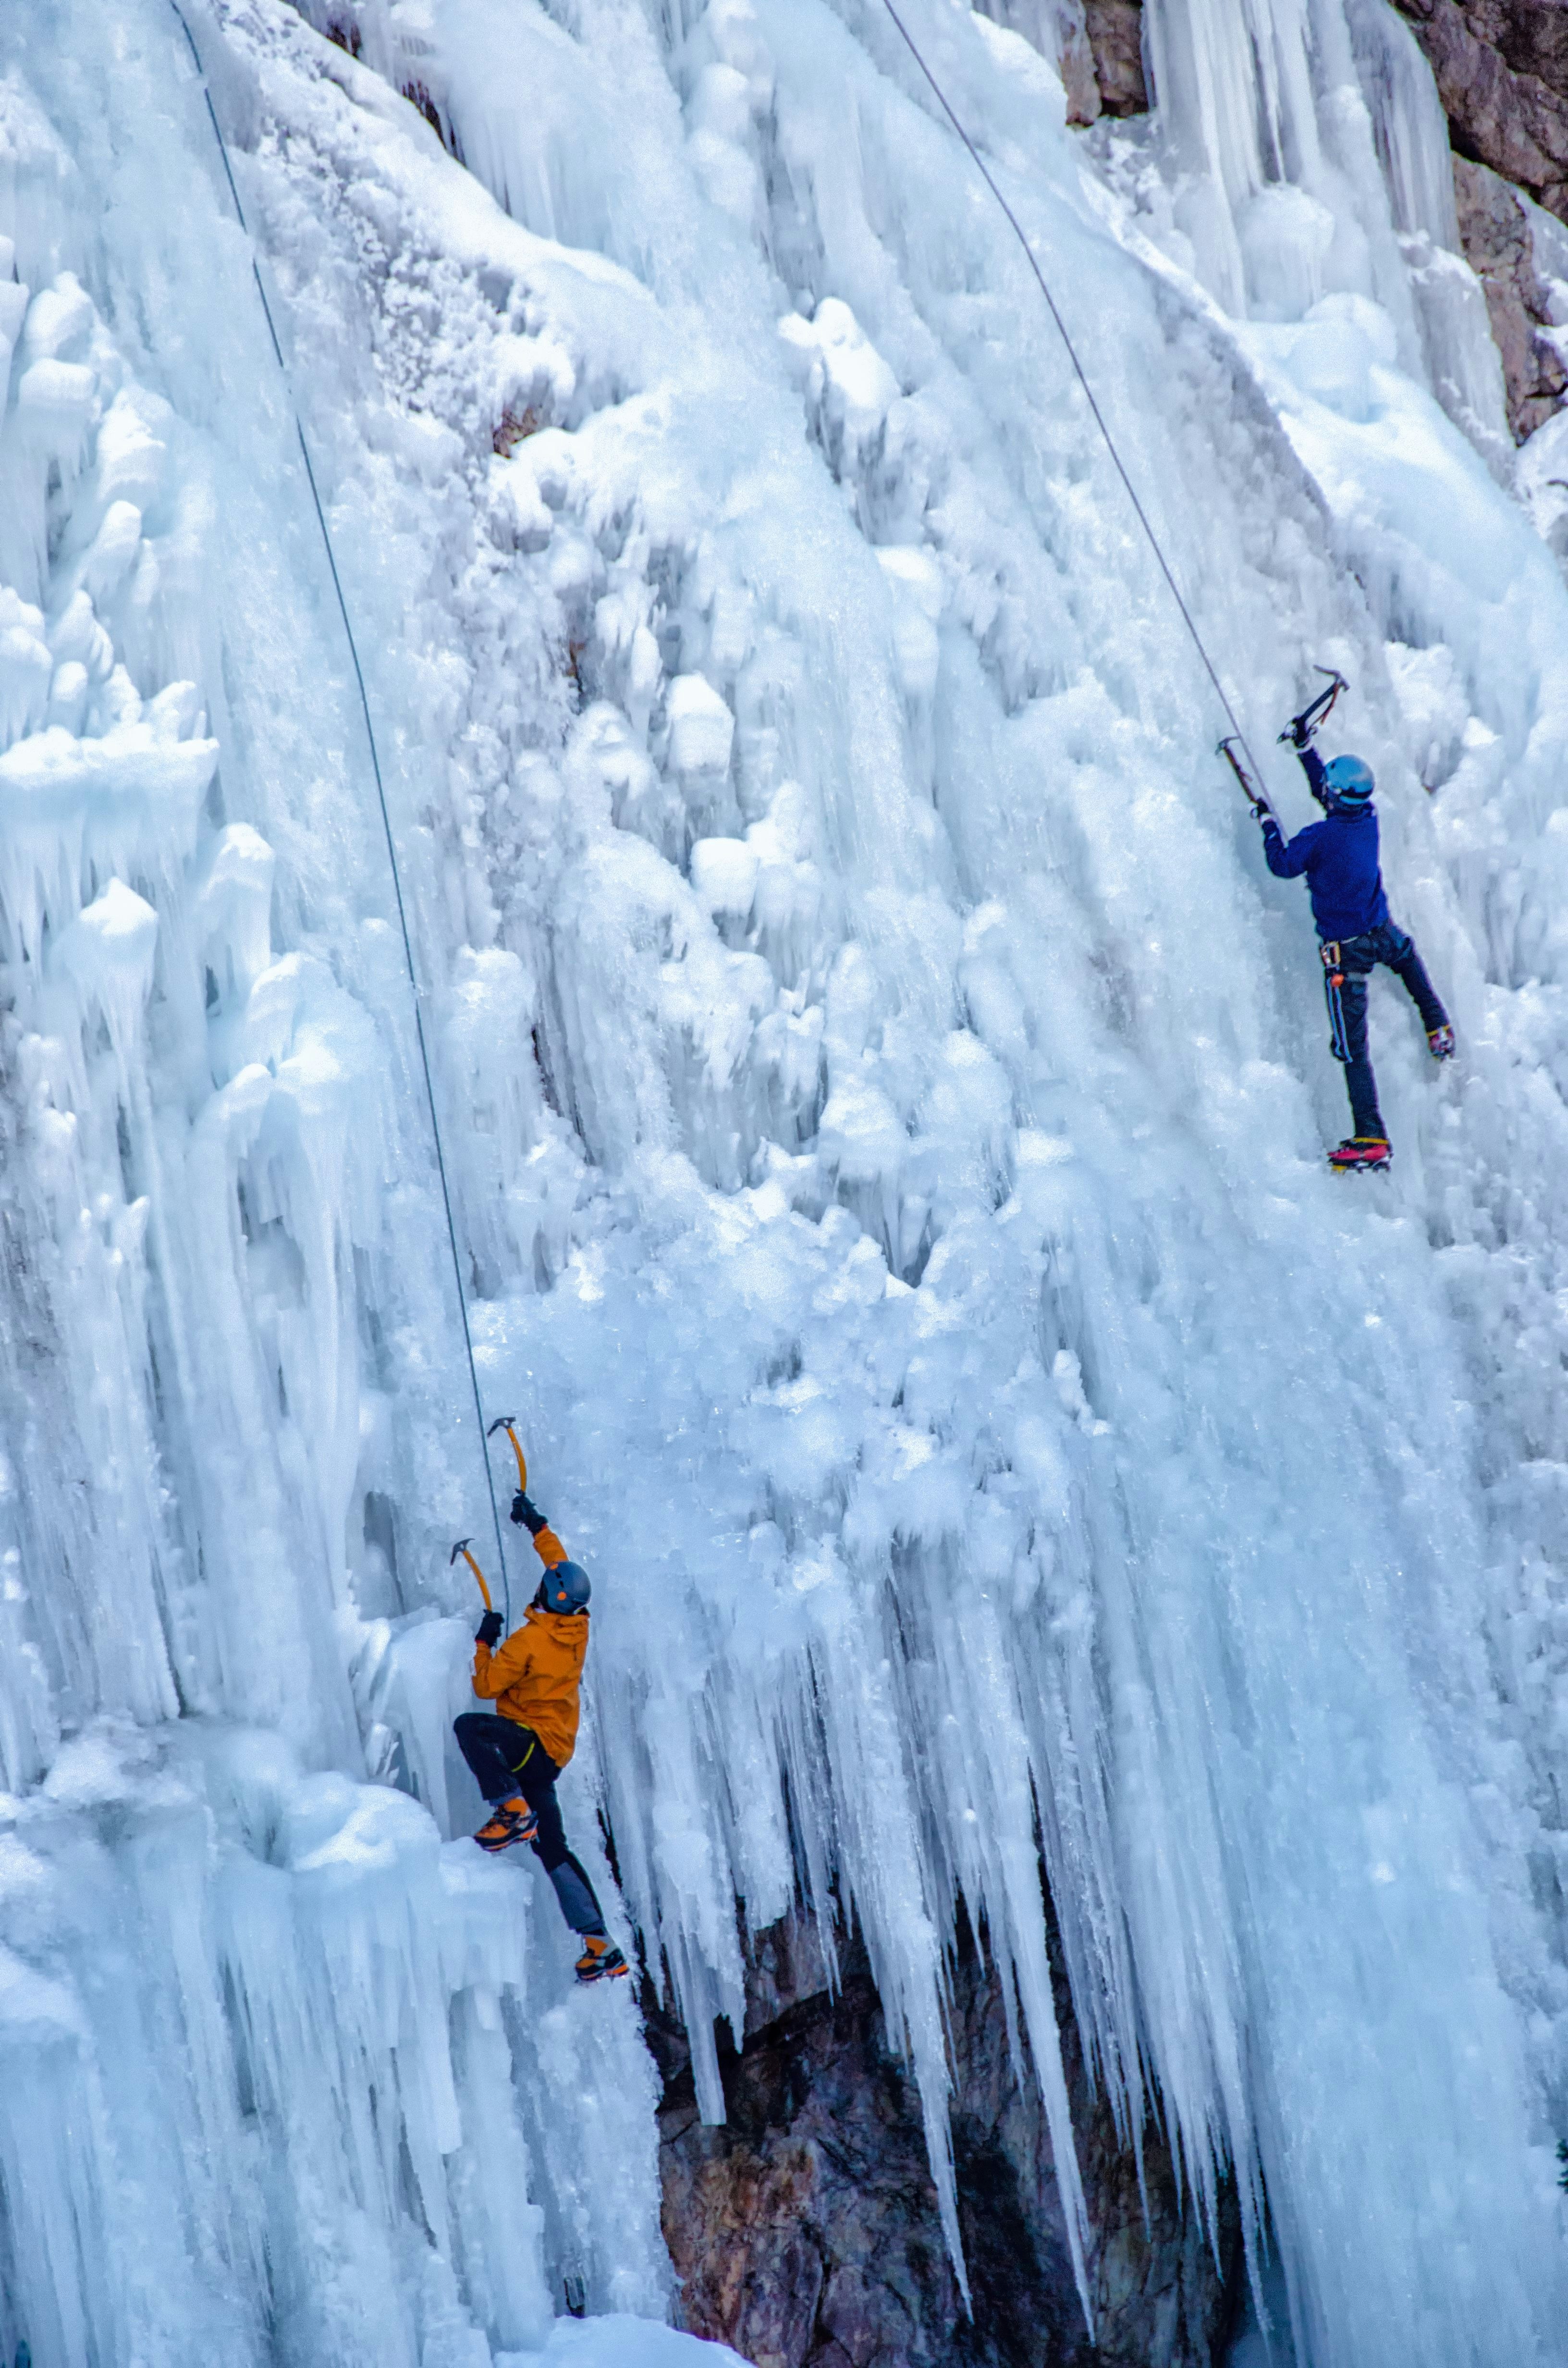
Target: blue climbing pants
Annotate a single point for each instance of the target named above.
(1347, 964)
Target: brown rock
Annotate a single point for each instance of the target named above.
(805, 2232)
(1075, 60)
(1501, 68)
(1496, 235)
(1115, 29)
(1530, 36)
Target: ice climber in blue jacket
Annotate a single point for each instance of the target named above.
(1345, 880)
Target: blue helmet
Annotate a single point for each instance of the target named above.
(1349, 782)
(566, 1587)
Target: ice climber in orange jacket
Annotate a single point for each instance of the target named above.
(517, 1756)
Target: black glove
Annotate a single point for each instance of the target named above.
(1300, 732)
(488, 1631)
(1262, 811)
(527, 1514)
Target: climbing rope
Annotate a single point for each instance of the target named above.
(380, 798)
(1081, 375)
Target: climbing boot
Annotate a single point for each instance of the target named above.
(601, 1961)
(1440, 1043)
(1360, 1151)
(510, 1821)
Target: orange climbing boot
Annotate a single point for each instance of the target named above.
(509, 1822)
(601, 1961)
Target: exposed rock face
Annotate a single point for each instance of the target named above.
(1500, 67)
(1498, 246)
(805, 2232)
(1115, 29)
(1502, 73)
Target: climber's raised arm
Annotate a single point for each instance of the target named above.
(547, 1545)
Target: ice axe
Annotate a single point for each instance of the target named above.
(1317, 711)
(505, 1422)
(1250, 790)
(461, 1547)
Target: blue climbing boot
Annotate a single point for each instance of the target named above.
(1440, 1043)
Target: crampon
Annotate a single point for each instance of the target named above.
(1360, 1151)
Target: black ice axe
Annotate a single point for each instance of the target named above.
(1250, 790)
(1317, 711)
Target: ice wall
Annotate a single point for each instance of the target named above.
(886, 1099)
(282, 2076)
(1302, 153)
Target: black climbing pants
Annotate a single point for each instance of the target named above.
(1347, 964)
(507, 1759)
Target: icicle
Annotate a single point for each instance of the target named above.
(886, 1129)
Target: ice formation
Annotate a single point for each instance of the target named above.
(884, 1098)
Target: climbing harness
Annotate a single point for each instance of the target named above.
(386, 817)
(1302, 727)
(1235, 733)
(1333, 987)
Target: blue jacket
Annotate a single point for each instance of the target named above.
(1339, 856)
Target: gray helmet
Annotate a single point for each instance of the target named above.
(566, 1587)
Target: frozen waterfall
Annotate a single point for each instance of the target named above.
(885, 1099)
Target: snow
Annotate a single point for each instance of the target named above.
(615, 2341)
(884, 1099)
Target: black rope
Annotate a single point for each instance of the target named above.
(1081, 375)
(381, 801)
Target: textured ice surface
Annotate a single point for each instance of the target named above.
(615, 2341)
(885, 1099)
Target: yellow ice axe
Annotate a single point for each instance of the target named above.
(461, 1547)
(504, 1422)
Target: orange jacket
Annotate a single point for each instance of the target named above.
(535, 1675)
